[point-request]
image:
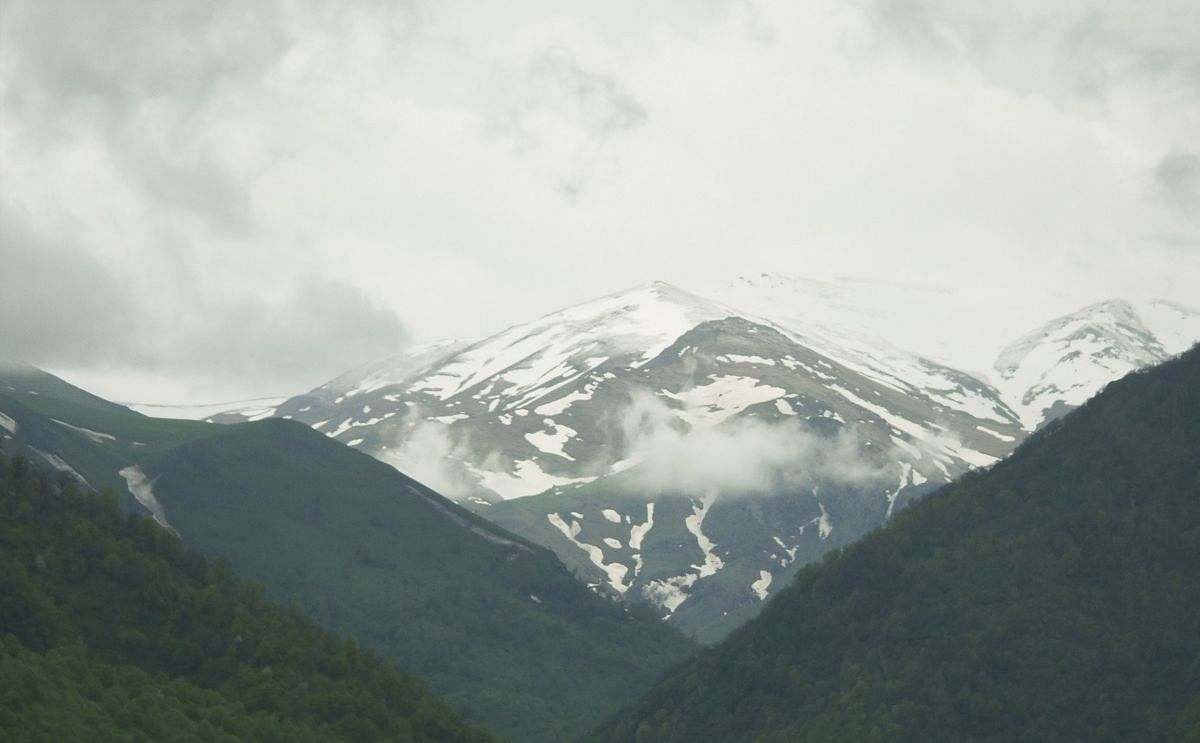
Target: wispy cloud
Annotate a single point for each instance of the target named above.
(743, 457)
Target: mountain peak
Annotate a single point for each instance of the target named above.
(1067, 360)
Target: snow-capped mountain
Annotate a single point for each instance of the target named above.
(955, 328)
(675, 449)
(1045, 372)
(1061, 364)
(646, 395)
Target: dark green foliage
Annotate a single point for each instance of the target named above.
(495, 623)
(1055, 597)
(110, 630)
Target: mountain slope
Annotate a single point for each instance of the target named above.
(1052, 597)
(805, 454)
(1042, 374)
(580, 404)
(495, 622)
(1064, 362)
(581, 408)
(111, 631)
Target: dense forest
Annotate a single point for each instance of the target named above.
(111, 630)
(1054, 597)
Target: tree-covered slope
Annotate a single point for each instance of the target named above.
(1054, 597)
(496, 624)
(499, 627)
(110, 630)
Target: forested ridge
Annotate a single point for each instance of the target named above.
(1054, 597)
(111, 630)
(496, 625)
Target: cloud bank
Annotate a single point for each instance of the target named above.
(458, 166)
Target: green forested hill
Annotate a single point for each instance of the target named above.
(110, 630)
(496, 624)
(1055, 597)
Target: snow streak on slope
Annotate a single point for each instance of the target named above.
(143, 490)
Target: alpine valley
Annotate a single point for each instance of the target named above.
(693, 451)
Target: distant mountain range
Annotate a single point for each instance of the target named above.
(694, 455)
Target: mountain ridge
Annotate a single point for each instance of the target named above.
(1052, 597)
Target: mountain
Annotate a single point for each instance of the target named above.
(527, 398)
(113, 632)
(495, 622)
(1042, 374)
(1051, 597)
(956, 328)
(590, 405)
(560, 429)
(1064, 362)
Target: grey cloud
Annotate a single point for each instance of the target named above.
(743, 457)
(58, 303)
(1053, 48)
(63, 307)
(1177, 182)
(144, 77)
(115, 55)
(322, 328)
(591, 101)
(561, 99)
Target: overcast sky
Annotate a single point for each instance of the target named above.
(220, 200)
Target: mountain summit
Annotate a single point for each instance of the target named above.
(1059, 365)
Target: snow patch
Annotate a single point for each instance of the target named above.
(615, 571)
(700, 507)
(1002, 437)
(669, 593)
(528, 479)
(552, 441)
(638, 531)
(556, 407)
(143, 491)
(96, 436)
(448, 419)
(724, 397)
(759, 587)
(61, 465)
(740, 359)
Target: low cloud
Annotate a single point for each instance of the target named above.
(1177, 182)
(65, 308)
(425, 451)
(745, 456)
(569, 112)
